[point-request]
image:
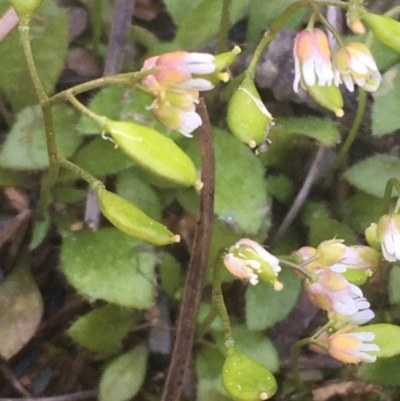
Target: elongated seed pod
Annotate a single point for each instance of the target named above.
(328, 97)
(132, 221)
(387, 30)
(153, 151)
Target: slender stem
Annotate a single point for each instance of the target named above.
(224, 25)
(295, 358)
(206, 323)
(24, 31)
(297, 267)
(128, 79)
(52, 174)
(330, 27)
(100, 120)
(387, 197)
(362, 101)
(94, 182)
(278, 24)
(218, 302)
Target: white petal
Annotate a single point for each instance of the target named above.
(348, 81)
(363, 336)
(338, 268)
(366, 357)
(369, 347)
(309, 72)
(358, 66)
(199, 84)
(190, 121)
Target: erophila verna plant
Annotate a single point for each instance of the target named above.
(146, 125)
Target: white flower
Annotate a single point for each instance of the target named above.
(311, 54)
(389, 236)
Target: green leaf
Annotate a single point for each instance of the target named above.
(363, 209)
(140, 193)
(179, 9)
(280, 187)
(99, 157)
(209, 362)
(202, 23)
(49, 40)
(385, 372)
(211, 390)
(14, 178)
(25, 146)
(123, 377)
(265, 307)
(386, 338)
(324, 130)
(263, 13)
(121, 103)
(385, 115)
(371, 175)
(323, 228)
(21, 309)
(103, 329)
(394, 285)
(110, 265)
(240, 188)
(170, 276)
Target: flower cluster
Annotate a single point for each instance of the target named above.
(350, 64)
(329, 289)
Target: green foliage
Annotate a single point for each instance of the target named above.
(323, 228)
(323, 130)
(170, 276)
(393, 285)
(119, 381)
(103, 329)
(202, 22)
(118, 268)
(371, 175)
(265, 307)
(384, 372)
(385, 116)
(240, 197)
(49, 41)
(25, 147)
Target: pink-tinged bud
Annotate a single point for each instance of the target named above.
(175, 70)
(250, 262)
(339, 257)
(311, 53)
(389, 236)
(308, 256)
(333, 293)
(185, 119)
(351, 347)
(354, 64)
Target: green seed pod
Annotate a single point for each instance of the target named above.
(328, 97)
(247, 380)
(153, 151)
(131, 220)
(248, 118)
(25, 9)
(386, 29)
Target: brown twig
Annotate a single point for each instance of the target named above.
(9, 375)
(80, 395)
(197, 266)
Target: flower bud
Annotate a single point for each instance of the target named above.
(131, 220)
(329, 97)
(153, 151)
(371, 235)
(389, 236)
(25, 9)
(386, 29)
(249, 261)
(248, 119)
(356, 277)
(247, 380)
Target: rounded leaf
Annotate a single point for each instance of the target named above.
(247, 380)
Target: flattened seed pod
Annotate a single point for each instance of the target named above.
(153, 151)
(132, 221)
